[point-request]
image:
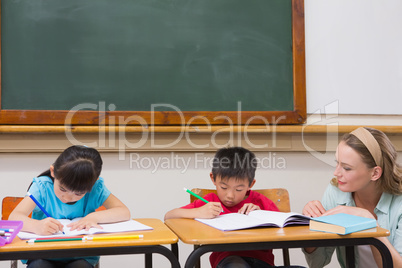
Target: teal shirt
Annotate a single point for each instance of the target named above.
(389, 216)
(42, 189)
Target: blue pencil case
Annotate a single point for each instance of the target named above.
(11, 228)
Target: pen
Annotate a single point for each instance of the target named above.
(57, 237)
(40, 206)
(2, 233)
(83, 239)
(7, 230)
(54, 240)
(197, 196)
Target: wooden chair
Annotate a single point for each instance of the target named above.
(279, 196)
(8, 205)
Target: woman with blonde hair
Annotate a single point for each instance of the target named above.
(367, 183)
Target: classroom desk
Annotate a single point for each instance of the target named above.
(151, 243)
(208, 239)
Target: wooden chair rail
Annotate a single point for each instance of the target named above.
(279, 196)
(192, 129)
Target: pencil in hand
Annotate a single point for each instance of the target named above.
(40, 206)
(197, 196)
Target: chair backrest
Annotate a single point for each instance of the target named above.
(10, 202)
(8, 205)
(279, 196)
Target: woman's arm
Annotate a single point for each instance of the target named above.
(313, 209)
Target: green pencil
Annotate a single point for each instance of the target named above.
(196, 195)
(54, 240)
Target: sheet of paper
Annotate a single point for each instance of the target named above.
(275, 217)
(125, 226)
(232, 221)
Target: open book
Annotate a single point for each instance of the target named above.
(124, 226)
(256, 218)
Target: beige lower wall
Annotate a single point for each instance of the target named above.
(150, 191)
(150, 182)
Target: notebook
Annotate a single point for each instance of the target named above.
(124, 226)
(256, 218)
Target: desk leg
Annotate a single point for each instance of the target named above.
(175, 250)
(148, 256)
(148, 260)
(286, 257)
(384, 251)
(385, 254)
(169, 254)
(198, 263)
(198, 251)
(83, 252)
(350, 256)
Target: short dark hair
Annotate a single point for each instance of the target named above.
(234, 162)
(77, 168)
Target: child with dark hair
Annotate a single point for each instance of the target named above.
(233, 173)
(71, 188)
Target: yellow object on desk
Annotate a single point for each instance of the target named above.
(95, 238)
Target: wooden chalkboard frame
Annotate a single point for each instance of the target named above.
(170, 118)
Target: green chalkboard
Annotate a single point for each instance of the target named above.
(133, 55)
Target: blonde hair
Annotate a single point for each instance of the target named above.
(391, 177)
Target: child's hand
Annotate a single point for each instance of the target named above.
(85, 223)
(48, 226)
(209, 210)
(247, 208)
(313, 209)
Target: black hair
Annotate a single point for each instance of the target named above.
(77, 168)
(234, 162)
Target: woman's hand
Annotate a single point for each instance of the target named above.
(350, 210)
(313, 209)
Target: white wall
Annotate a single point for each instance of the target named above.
(354, 55)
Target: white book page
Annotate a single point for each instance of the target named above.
(232, 221)
(125, 226)
(277, 218)
(256, 218)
